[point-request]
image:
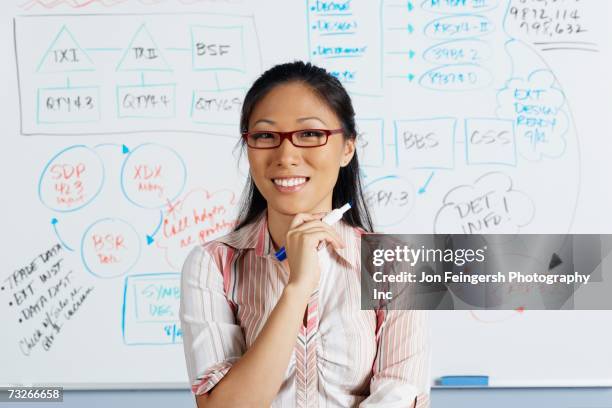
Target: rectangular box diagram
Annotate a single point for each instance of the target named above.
(78, 77)
(151, 309)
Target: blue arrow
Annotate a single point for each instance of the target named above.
(411, 54)
(124, 149)
(150, 238)
(410, 28)
(410, 6)
(424, 188)
(410, 77)
(54, 223)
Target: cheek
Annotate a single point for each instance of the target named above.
(255, 162)
(256, 167)
(327, 167)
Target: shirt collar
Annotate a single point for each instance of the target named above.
(256, 235)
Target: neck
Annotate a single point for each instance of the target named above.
(278, 223)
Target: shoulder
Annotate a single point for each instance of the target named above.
(207, 266)
(210, 255)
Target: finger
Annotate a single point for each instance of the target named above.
(301, 218)
(331, 236)
(316, 223)
(320, 236)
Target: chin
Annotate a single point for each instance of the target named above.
(290, 207)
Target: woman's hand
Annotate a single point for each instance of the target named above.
(305, 233)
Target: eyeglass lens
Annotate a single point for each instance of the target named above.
(302, 138)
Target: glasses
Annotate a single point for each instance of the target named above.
(264, 139)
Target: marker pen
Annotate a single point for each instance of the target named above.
(331, 218)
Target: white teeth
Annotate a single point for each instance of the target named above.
(290, 182)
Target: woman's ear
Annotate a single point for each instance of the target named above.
(349, 151)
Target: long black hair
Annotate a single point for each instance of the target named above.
(329, 89)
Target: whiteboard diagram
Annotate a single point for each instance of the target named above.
(130, 112)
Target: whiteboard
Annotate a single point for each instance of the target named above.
(119, 120)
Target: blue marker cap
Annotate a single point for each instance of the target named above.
(281, 255)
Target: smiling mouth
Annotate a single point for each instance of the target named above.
(292, 184)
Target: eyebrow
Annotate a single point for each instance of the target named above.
(268, 121)
(271, 122)
(311, 117)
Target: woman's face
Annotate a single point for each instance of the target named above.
(288, 107)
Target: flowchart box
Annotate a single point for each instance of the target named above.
(371, 142)
(146, 101)
(68, 105)
(490, 141)
(217, 48)
(151, 309)
(217, 106)
(425, 143)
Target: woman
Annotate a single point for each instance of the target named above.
(260, 332)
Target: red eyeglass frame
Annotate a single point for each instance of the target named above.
(289, 135)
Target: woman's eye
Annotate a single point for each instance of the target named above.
(311, 133)
(263, 135)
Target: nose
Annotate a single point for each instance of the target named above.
(287, 154)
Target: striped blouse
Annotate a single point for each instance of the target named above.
(343, 357)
